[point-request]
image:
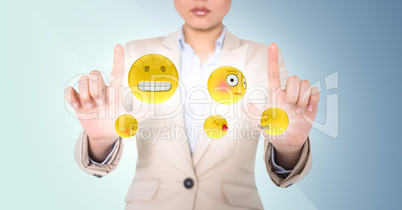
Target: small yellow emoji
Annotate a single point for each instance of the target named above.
(153, 78)
(274, 121)
(227, 85)
(126, 126)
(215, 127)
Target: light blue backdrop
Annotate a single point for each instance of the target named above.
(46, 43)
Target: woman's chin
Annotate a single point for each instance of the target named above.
(202, 25)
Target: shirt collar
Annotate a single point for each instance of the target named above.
(219, 42)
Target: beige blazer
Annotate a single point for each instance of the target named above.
(220, 173)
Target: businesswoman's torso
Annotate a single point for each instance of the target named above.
(218, 174)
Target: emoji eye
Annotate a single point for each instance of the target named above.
(232, 80)
(163, 69)
(146, 68)
(244, 83)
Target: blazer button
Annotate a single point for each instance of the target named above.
(188, 183)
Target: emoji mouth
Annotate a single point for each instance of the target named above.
(237, 93)
(152, 86)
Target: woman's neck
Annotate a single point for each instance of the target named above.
(202, 41)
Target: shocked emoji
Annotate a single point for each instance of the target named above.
(153, 78)
(215, 127)
(227, 85)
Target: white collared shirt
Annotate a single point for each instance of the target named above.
(194, 76)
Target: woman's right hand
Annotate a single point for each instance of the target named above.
(97, 106)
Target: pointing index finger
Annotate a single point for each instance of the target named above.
(273, 68)
(118, 66)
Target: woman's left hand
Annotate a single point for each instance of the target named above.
(299, 100)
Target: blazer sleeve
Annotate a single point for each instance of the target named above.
(82, 157)
(304, 164)
(301, 169)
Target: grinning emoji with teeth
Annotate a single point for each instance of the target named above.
(153, 78)
(274, 121)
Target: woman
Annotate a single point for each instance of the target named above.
(190, 171)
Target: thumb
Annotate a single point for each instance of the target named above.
(254, 115)
(251, 111)
(117, 74)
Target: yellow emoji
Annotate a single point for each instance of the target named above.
(126, 126)
(215, 127)
(153, 78)
(274, 121)
(227, 85)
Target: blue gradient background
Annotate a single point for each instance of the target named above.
(46, 43)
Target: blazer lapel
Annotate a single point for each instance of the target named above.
(172, 51)
(233, 54)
